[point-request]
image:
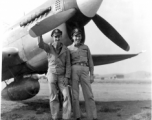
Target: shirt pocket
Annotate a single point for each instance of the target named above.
(74, 54)
(83, 52)
(63, 57)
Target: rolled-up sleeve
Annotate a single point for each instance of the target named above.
(90, 62)
(68, 65)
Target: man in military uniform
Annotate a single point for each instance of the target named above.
(58, 74)
(83, 74)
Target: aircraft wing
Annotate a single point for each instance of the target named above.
(10, 57)
(107, 58)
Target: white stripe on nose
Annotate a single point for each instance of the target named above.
(89, 7)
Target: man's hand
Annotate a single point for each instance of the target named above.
(65, 81)
(91, 78)
(69, 82)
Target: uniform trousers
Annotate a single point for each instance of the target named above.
(80, 75)
(55, 81)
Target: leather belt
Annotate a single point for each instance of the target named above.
(82, 64)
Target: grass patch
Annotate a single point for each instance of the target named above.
(144, 115)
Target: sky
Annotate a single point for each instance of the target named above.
(131, 18)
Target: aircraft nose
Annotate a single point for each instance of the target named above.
(89, 7)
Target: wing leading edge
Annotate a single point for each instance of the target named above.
(11, 62)
(107, 59)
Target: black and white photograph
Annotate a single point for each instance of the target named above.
(76, 59)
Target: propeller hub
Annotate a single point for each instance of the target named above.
(89, 7)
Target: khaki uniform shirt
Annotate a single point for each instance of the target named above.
(81, 54)
(58, 61)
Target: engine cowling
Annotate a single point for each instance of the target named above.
(22, 89)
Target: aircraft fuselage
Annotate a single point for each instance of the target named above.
(32, 59)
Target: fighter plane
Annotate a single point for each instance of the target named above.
(21, 56)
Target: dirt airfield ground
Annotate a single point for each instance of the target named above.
(114, 101)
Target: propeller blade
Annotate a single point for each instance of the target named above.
(110, 32)
(44, 25)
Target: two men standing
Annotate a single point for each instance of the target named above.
(59, 72)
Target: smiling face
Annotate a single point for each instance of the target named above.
(77, 38)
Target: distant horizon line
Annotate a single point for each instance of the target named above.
(126, 73)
